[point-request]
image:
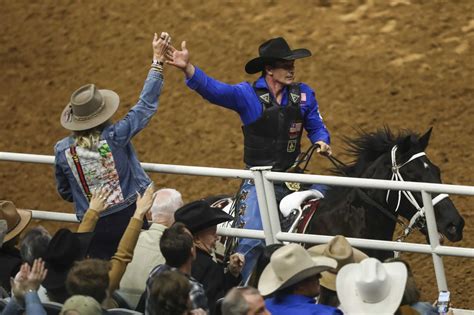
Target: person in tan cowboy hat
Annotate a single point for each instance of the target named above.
(292, 276)
(15, 221)
(340, 250)
(99, 154)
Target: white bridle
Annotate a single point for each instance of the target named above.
(396, 176)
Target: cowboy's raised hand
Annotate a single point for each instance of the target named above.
(144, 202)
(98, 201)
(160, 46)
(180, 59)
(324, 148)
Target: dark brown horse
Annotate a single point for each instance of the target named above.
(372, 213)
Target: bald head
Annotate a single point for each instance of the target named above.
(165, 202)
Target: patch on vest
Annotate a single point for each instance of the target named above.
(303, 97)
(295, 129)
(265, 97)
(294, 97)
(291, 146)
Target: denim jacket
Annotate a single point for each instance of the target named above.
(114, 160)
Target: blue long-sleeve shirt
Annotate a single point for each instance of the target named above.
(32, 306)
(298, 304)
(242, 99)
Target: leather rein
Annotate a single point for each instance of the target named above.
(417, 221)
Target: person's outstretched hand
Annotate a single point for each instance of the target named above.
(180, 59)
(98, 201)
(160, 46)
(144, 202)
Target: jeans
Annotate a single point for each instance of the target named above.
(250, 218)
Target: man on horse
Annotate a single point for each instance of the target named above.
(273, 110)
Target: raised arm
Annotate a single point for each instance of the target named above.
(216, 92)
(124, 253)
(25, 287)
(140, 114)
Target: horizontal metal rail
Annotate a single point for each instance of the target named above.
(369, 183)
(301, 238)
(150, 167)
(379, 245)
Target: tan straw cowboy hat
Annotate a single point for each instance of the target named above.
(16, 219)
(289, 265)
(340, 250)
(89, 107)
(371, 287)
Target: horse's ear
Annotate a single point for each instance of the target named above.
(425, 139)
(405, 145)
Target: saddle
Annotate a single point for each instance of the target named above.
(297, 209)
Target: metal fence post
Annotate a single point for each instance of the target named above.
(272, 205)
(262, 203)
(434, 241)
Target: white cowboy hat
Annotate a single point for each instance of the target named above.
(371, 287)
(340, 250)
(289, 265)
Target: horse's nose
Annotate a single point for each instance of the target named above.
(452, 229)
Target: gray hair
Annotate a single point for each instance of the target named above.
(234, 302)
(34, 244)
(165, 203)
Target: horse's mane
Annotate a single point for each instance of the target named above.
(368, 146)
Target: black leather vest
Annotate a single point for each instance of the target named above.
(274, 138)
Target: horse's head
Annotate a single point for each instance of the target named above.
(412, 164)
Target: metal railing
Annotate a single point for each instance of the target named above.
(264, 179)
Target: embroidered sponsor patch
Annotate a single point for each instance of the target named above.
(291, 146)
(265, 97)
(303, 97)
(295, 129)
(99, 169)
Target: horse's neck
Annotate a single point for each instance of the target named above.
(347, 212)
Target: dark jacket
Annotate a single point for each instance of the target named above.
(211, 274)
(10, 263)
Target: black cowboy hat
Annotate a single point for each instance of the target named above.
(274, 49)
(64, 249)
(199, 215)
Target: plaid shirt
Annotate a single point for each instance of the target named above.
(196, 294)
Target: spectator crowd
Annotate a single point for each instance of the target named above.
(170, 269)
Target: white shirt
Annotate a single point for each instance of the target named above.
(146, 256)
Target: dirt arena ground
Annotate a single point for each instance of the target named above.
(404, 63)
